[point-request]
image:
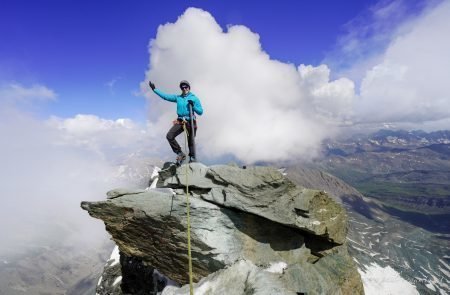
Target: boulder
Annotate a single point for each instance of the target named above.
(251, 229)
(266, 192)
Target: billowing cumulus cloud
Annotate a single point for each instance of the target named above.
(332, 99)
(397, 54)
(410, 84)
(256, 108)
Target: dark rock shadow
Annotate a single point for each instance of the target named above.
(137, 278)
(280, 237)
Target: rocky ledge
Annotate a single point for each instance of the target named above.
(252, 232)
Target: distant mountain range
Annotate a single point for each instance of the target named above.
(405, 170)
(398, 214)
(54, 269)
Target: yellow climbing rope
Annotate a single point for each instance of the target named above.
(191, 288)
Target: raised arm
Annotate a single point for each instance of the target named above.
(165, 96)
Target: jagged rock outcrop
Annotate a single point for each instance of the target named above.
(251, 229)
(265, 192)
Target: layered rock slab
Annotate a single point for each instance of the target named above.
(254, 215)
(265, 192)
(152, 226)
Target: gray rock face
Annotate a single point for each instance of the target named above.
(122, 192)
(243, 221)
(265, 192)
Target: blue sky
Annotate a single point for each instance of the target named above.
(77, 47)
(95, 54)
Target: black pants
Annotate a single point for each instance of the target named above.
(176, 130)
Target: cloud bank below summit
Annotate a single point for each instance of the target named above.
(48, 168)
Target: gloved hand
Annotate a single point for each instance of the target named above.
(191, 102)
(152, 85)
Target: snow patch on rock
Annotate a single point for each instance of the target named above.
(277, 267)
(431, 287)
(116, 281)
(379, 280)
(115, 257)
(154, 177)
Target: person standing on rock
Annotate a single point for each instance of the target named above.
(183, 100)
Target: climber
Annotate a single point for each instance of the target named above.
(183, 100)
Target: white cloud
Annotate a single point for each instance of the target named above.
(410, 84)
(110, 139)
(256, 108)
(46, 173)
(332, 99)
(43, 184)
(96, 133)
(369, 33)
(15, 92)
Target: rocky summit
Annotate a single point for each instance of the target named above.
(253, 231)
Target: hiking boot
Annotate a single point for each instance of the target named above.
(192, 160)
(180, 158)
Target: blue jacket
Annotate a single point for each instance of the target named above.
(182, 103)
